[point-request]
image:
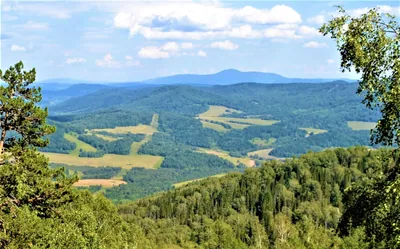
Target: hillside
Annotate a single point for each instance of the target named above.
(295, 204)
(201, 131)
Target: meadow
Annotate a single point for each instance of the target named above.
(214, 113)
(225, 155)
(361, 126)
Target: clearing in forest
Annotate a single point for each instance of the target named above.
(95, 182)
(264, 154)
(181, 184)
(225, 155)
(214, 113)
(361, 126)
(124, 161)
(79, 145)
(313, 130)
(262, 142)
(138, 129)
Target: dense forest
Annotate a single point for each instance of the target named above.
(300, 203)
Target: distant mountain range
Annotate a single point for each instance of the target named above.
(225, 77)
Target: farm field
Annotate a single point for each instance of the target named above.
(264, 154)
(213, 126)
(181, 184)
(95, 182)
(263, 142)
(214, 113)
(107, 138)
(225, 155)
(79, 145)
(123, 161)
(138, 129)
(361, 126)
(313, 130)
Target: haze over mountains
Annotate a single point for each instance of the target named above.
(225, 77)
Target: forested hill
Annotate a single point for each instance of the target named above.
(296, 204)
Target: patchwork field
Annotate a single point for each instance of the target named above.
(107, 138)
(262, 142)
(138, 129)
(214, 113)
(225, 155)
(361, 126)
(213, 126)
(126, 162)
(79, 145)
(95, 182)
(313, 130)
(264, 154)
(181, 184)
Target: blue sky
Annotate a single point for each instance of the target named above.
(136, 40)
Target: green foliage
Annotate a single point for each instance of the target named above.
(292, 204)
(18, 111)
(89, 172)
(371, 44)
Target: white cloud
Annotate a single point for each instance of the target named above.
(130, 62)
(170, 46)
(330, 61)
(201, 53)
(314, 44)
(277, 14)
(226, 45)
(186, 45)
(280, 33)
(153, 53)
(318, 19)
(107, 61)
(6, 8)
(75, 60)
(197, 21)
(17, 48)
(308, 31)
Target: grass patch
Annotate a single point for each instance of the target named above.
(181, 184)
(107, 183)
(213, 126)
(313, 130)
(138, 129)
(107, 138)
(264, 154)
(123, 161)
(79, 145)
(214, 113)
(262, 142)
(225, 155)
(361, 126)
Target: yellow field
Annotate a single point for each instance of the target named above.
(181, 184)
(216, 110)
(95, 182)
(79, 145)
(214, 113)
(213, 126)
(264, 154)
(263, 142)
(361, 126)
(138, 129)
(313, 130)
(123, 161)
(225, 155)
(107, 138)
